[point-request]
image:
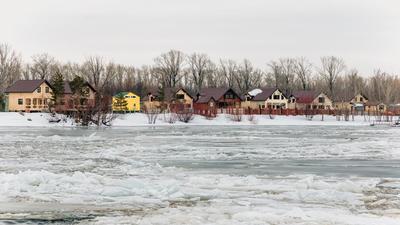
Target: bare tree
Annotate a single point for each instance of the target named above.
(199, 67)
(10, 66)
(354, 83)
(26, 72)
(213, 78)
(99, 74)
(276, 73)
(247, 77)
(228, 70)
(169, 68)
(331, 69)
(43, 66)
(288, 74)
(303, 71)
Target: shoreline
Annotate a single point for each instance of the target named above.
(14, 119)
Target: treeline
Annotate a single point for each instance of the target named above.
(194, 71)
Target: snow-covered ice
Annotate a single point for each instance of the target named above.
(332, 175)
(13, 119)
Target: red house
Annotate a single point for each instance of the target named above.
(70, 103)
(216, 100)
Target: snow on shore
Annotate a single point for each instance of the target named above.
(13, 119)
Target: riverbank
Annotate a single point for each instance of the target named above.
(13, 119)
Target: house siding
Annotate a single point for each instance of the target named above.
(133, 101)
(43, 97)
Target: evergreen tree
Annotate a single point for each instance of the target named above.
(120, 104)
(161, 93)
(2, 103)
(79, 90)
(57, 83)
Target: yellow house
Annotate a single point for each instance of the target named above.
(131, 102)
(28, 96)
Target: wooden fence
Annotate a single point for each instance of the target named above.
(212, 112)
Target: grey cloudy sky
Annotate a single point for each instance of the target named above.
(366, 33)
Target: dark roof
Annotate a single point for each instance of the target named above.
(25, 86)
(169, 93)
(373, 103)
(265, 94)
(305, 96)
(184, 90)
(348, 98)
(68, 90)
(206, 94)
(123, 93)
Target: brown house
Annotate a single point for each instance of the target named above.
(69, 102)
(28, 96)
(216, 99)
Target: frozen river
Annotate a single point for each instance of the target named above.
(201, 175)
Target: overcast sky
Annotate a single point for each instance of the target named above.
(366, 33)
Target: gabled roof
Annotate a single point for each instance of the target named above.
(364, 96)
(348, 98)
(206, 94)
(26, 86)
(169, 93)
(265, 94)
(305, 97)
(184, 90)
(374, 103)
(124, 93)
(68, 90)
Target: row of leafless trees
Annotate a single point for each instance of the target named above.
(195, 71)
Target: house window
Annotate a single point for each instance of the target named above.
(34, 101)
(40, 101)
(321, 100)
(47, 89)
(263, 106)
(229, 96)
(361, 99)
(20, 101)
(180, 96)
(27, 101)
(39, 90)
(320, 107)
(277, 97)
